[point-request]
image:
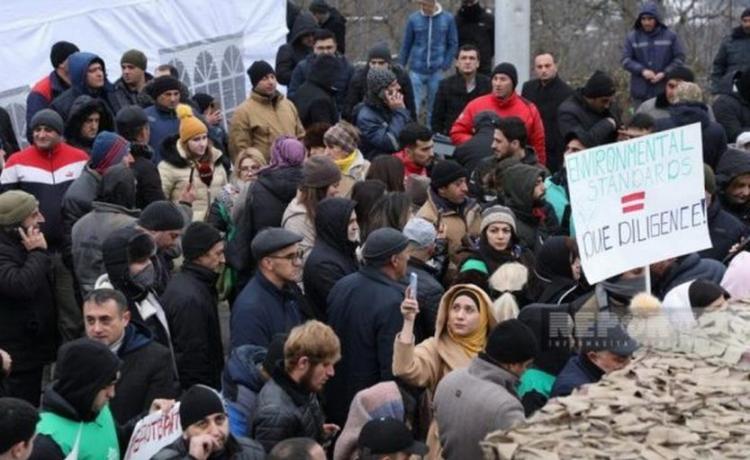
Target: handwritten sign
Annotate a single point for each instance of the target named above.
(154, 432)
(638, 202)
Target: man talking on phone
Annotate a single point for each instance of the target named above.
(27, 310)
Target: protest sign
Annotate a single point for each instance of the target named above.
(154, 432)
(638, 202)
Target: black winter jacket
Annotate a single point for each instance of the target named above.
(688, 268)
(429, 293)
(286, 410)
(477, 26)
(575, 115)
(146, 374)
(451, 98)
(336, 23)
(292, 52)
(366, 330)
(190, 303)
(236, 448)
(357, 91)
(733, 55)
(548, 99)
(148, 188)
(28, 320)
(731, 109)
(264, 206)
(333, 255)
(477, 149)
(315, 98)
(82, 107)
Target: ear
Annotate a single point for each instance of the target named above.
(303, 363)
(126, 317)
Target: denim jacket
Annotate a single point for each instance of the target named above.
(430, 42)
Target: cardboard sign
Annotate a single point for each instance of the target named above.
(154, 432)
(638, 202)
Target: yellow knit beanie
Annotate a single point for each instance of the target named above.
(190, 126)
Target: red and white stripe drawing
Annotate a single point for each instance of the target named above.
(633, 202)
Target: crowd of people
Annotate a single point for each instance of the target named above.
(384, 302)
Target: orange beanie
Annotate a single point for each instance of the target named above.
(190, 126)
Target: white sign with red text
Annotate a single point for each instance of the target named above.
(153, 433)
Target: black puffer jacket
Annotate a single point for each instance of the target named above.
(357, 91)
(291, 53)
(575, 115)
(264, 207)
(190, 302)
(286, 410)
(84, 106)
(28, 320)
(686, 113)
(732, 108)
(315, 98)
(333, 255)
(733, 163)
(146, 374)
(148, 187)
(236, 448)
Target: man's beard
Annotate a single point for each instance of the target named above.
(306, 380)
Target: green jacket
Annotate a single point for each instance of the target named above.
(98, 437)
(535, 380)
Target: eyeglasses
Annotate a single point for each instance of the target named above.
(299, 255)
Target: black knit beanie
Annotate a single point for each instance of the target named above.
(198, 403)
(508, 69)
(745, 13)
(703, 293)
(161, 216)
(198, 239)
(599, 85)
(258, 70)
(161, 85)
(680, 73)
(511, 342)
(445, 172)
(61, 51)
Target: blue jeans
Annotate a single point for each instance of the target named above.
(421, 83)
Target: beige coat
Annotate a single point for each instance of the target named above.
(424, 365)
(175, 171)
(456, 225)
(295, 219)
(259, 120)
(356, 173)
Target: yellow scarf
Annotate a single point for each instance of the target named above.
(474, 342)
(345, 163)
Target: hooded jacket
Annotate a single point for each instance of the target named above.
(380, 126)
(176, 171)
(78, 66)
(333, 255)
(476, 26)
(575, 115)
(686, 113)
(328, 77)
(191, 305)
(357, 91)
(731, 107)
(114, 209)
(28, 316)
(532, 226)
(553, 269)
(733, 163)
(82, 107)
(266, 201)
(146, 374)
(430, 42)
(316, 97)
(292, 52)
(733, 55)
(452, 97)
(286, 409)
(241, 381)
(659, 50)
(512, 106)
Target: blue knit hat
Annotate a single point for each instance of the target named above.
(108, 150)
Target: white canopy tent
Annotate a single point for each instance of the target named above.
(211, 42)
